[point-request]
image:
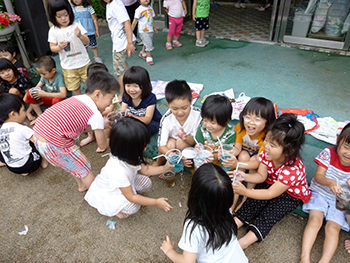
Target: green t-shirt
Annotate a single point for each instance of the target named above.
(203, 7)
(57, 82)
(204, 136)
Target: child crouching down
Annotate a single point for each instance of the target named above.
(16, 140)
(115, 190)
(58, 127)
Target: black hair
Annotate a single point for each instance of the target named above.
(9, 102)
(6, 64)
(139, 76)
(54, 6)
(288, 132)
(260, 107)
(102, 81)
(103, 3)
(93, 67)
(45, 62)
(128, 139)
(7, 46)
(344, 136)
(209, 201)
(85, 3)
(217, 107)
(177, 89)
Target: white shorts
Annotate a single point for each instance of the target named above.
(147, 39)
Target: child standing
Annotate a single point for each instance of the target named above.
(216, 113)
(333, 170)
(58, 127)
(85, 15)
(11, 80)
(120, 26)
(179, 124)
(67, 38)
(53, 89)
(200, 14)
(115, 190)
(209, 232)
(139, 99)
(176, 10)
(281, 179)
(7, 50)
(16, 140)
(144, 16)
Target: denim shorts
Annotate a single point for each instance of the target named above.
(327, 206)
(92, 41)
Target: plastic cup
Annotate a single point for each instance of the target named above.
(34, 90)
(169, 177)
(202, 156)
(189, 153)
(67, 48)
(113, 117)
(343, 199)
(173, 156)
(227, 151)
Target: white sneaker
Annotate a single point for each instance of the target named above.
(98, 60)
(139, 42)
(243, 5)
(199, 43)
(237, 5)
(205, 41)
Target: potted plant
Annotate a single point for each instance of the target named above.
(7, 23)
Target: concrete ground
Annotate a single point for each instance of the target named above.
(64, 228)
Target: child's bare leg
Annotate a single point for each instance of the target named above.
(168, 39)
(88, 139)
(37, 110)
(198, 35)
(239, 223)
(242, 157)
(84, 183)
(107, 132)
(347, 242)
(180, 144)
(44, 163)
(332, 230)
(149, 54)
(121, 215)
(29, 113)
(25, 174)
(310, 233)
(247, 240)
(120, 80)
(235, 200)
(77, 92)
(249, 186)
(2, 164)
(95, 51)
(176, 38)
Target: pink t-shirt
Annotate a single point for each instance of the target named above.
(175, 8)
(293, 175)
(128, 2)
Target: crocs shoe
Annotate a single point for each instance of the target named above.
(176, 43)
(149, 60)
(237, 5)
(261, 8)
(142, 55)
(168, 46)
(98, 60)
(267, 5)
(243, 5)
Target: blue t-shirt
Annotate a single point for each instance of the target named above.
(54, 86)
(140, 110)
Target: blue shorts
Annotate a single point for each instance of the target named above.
(93, 41)
(327, 206)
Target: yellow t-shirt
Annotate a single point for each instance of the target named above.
(252, 146)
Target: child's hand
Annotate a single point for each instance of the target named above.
(97, 34)
(168, 166)
(334, 188)
(182, 134)
(38, 95)
(239, 188)
(230, 162)
(162, 203)
(194, 17)
(348, 182)
(155, 31)
(241, 175)
(186, 162)
(62, 44)
(167, 245)
(130, 49)
(77, 32)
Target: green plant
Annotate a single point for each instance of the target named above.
(99, 10)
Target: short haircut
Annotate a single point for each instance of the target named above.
(260, 107)
(85, 3)
(217, 107)
(7, 46)
(344, 136)
(139, 76)
(288, 132)
(177, 89)
(45, 62)
(9, 102)
(128, 140)
(102, 81)
(54, 6)
(93, 67)
(5, 64)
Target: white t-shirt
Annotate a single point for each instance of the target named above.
(77, 57)
(14, 143)
(199, 238)
(169, 125)
(104, 193)
(175, 8)
(116, 15)
(145, 16)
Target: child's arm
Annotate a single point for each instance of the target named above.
(62, 94)
(257, 178)
(232, 162)
(108, 109)
(238, 147)
(194, 10)
(134, 23)
(94, 19)
(168, 249)
(148, 116)
(186, 138)
(83, 38)
(40, 84)
(129, 47)
(142, 200)
(57, 47)
(163, 149)
(101, 139)
(321, 179)
(184, 6)
(150, 170)
(155, 28)
(166, 10)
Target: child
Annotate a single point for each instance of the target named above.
(53, 89)
(209, 232)
(84, 13)
(58, 127)
(200, 14)
(115, 190)
(7, 50)
(16, 140)
(144, 16)
(216, 113)
(347, 242)
(281, 179)
(176, 10)
(333, 170)
(12, 81)
(67, 38)
(179, 124)
(139, 99)
(122, 37)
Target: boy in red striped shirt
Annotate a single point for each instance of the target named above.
(58, 127)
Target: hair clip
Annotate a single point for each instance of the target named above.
(290, 126)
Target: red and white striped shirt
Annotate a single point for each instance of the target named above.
(63, 122)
